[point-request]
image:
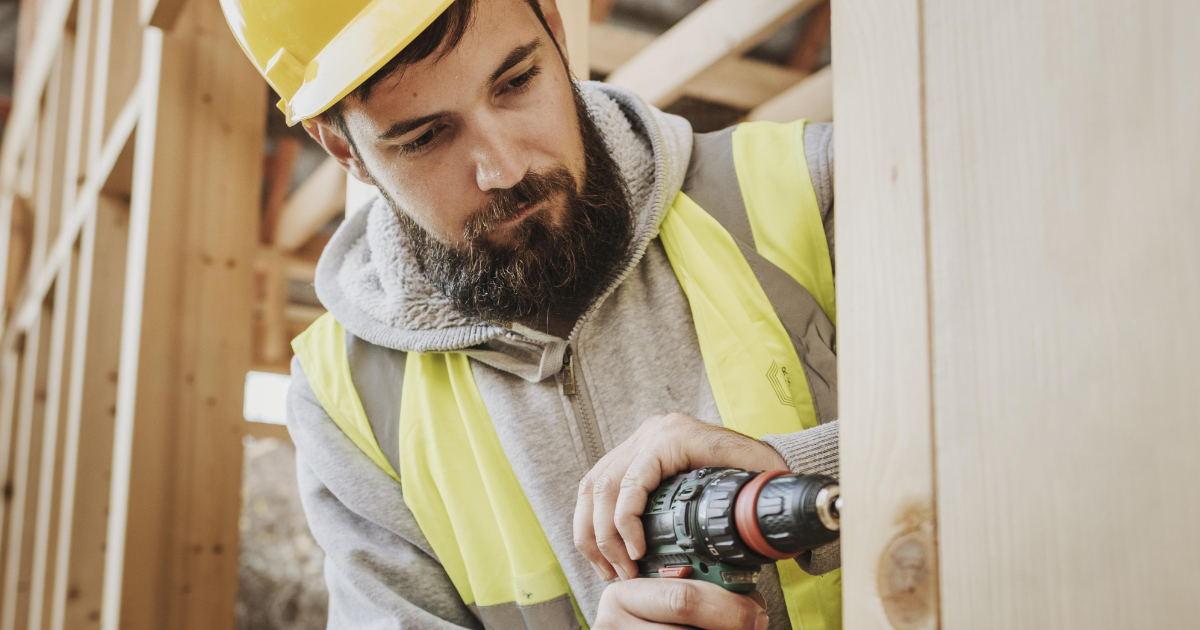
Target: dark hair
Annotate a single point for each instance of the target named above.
(440, 37)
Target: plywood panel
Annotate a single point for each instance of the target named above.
(889, 560)
(1064, 151)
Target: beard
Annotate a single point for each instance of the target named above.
(548, 269)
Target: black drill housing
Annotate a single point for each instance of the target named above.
(692, 531)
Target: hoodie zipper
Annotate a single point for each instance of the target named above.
(585, 416)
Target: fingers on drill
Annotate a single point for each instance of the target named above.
(608, 539)
(642, 478)
(585, 536)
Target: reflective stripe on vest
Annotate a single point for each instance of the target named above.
(456, 478)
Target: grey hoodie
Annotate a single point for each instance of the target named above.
(635, 354)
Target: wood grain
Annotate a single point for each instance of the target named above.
(1064, 151)
(889, 556)
(717, 30)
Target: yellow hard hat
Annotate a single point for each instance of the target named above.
(314, 52)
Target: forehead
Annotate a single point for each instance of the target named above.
(449, 79)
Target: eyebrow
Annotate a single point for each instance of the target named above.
(518, 55)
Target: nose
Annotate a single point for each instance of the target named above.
(500, 161)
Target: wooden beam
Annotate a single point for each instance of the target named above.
(49, 482)
(161, 13)
(38, 286)
(268, 430)
(274, 340)
(317, 201)
(601, 9)
(716, 30)
(813, 37)
(91, 411)
(736, 81)
(186, 338)
(29, 87)
(117, 67)
(889, 537)
(279, 168)
(811, 98)
(14, 602)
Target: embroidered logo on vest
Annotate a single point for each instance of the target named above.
(781, 383)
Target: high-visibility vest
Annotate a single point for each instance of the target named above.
(455, 477)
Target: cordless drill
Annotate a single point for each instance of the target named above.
(722, 524)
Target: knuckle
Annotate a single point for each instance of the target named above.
(585, 545)
(605, 484)
(585, 485)
(680, 600)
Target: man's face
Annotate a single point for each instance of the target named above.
(441, 135)
(505, 190)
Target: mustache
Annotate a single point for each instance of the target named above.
(508, 203)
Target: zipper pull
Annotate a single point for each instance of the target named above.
(568, 374)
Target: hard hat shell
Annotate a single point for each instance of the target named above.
(314, 52)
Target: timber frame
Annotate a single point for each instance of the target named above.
(129, 191)
(144, 270)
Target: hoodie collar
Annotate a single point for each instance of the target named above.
(369, 281)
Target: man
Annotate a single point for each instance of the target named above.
(538, 319)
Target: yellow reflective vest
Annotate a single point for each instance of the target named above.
(456, 478)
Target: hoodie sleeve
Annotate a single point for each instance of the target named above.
(379, 569)
(812, 452)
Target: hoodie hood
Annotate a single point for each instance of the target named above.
(371, 284)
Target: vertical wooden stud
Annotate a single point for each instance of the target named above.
(889, 552)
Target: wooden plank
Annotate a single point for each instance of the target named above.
(116, 67)
(40, 285)
(29, 87)
(13, 371)
(74, 168)
(1064, 265)
(49, 204)
(716, 30)
(317, 201)
(279, 168)
(811, 98)
(14, 601)
(91, 411)
(267, 430)
(161, 13)
(889, 554)
(175, 498)
(735, 81)
(49, 482)
(601, 9)
(812, 39)
(274, 344)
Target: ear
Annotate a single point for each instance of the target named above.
(322, 129)
(555, 22)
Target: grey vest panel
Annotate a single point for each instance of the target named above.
(378, 376)
(712, 183)
(552, 615)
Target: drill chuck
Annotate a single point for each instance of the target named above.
(723, 524)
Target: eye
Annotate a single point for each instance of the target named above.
(521, 82)
(422, 141)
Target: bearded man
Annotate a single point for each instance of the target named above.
(560, 296)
